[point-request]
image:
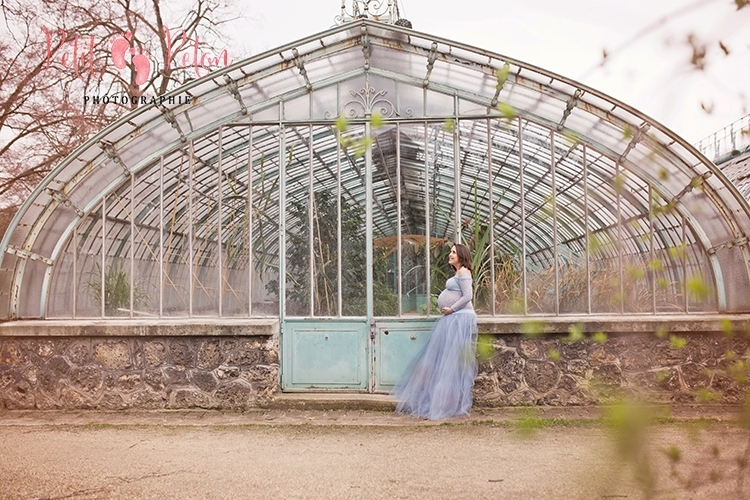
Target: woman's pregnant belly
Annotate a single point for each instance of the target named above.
(448, 298)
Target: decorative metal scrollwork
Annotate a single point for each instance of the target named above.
(377, 10)
(367, 101)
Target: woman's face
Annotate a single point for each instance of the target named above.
(453, 257)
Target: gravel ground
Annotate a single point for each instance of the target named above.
(357, 455)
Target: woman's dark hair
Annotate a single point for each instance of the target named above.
(464, 255)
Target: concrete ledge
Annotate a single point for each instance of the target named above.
(202, 327)
(269, 326)
(634, 323)
(331, 401)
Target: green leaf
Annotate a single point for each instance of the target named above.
(485, 348)
(678, 252)
(502, 75)
(575, 333)
(619, 181)
(627, 131)
(554, 355)
(507, 111)
(676, 342)
(532, 328)
(341, 124)
(698, 289)
(655, 265)
(726, 326)
(599, 337)
(705, 395)
(673, 453)
(376, 120)
(635, 272)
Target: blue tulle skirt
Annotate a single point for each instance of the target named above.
(437, 383)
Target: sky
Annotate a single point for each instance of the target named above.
(649, 57)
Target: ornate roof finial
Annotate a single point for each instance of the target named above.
(377, 10)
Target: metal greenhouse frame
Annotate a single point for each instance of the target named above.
(323, 179)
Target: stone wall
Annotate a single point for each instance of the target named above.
(549, 371)
(237, 367)
(134, 372)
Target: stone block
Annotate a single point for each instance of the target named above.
(486, 385)
(523, 397)
(266, 375)
(48, 381)
(509, 370)
(111, 401)
(87, 379)
(28, 373)
(155, 353)
(245, 355)
(530, 349)
(45, 348)
(112, 355)
(58, 365)
(694, 375)
(7, 377)
(190, 398)
(129, 382)
(236, 394)
(181, 353)
(608, 375)
(72, 399)
(227, 372)
(203, 380)
(11, 353)
(148, 399)
(540, 376)
(43, 401)
(175, 375)
(154, 379)
(79, 352)
(578, 366)
(601, 356)
(209, 354)
(19, 396)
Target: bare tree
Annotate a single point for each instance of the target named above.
(62, 57)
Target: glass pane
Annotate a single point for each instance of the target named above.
(88, 262)
(176, 236)
(234, 230)
(298, 222)
(353, 226)
(205, 223)
(115, 286)
(265, 221)
(146, 262)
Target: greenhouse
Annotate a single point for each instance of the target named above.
(320, 185)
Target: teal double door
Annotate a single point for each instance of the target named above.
(348, 355)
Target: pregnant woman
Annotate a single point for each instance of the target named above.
(437, 384)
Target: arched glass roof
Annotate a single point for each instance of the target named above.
(565, 176)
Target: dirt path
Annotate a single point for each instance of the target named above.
(376, 456)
